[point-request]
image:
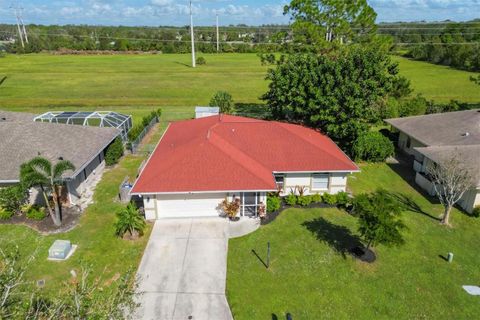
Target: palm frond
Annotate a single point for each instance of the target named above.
(30, 177)
(42, 165)
(61, 167)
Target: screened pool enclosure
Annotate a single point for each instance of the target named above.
(95, 118)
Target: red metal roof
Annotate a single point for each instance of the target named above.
(230, 153)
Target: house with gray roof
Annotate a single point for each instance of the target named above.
(22, 139)
(437, 138)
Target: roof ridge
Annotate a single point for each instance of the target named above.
(217, 141)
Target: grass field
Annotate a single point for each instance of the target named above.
(312, 277)
(135, 83)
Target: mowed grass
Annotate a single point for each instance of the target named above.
(311, 279)
(136, 83)
(98, 246)
(439, 83)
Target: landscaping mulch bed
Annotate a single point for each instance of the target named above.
(363, 254)
(46, 226)
(271, 216)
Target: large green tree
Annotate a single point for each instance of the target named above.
(318, 22)
(40, 172)
(337, 94)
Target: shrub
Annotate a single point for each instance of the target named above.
(114, 152)
(36, 213)
(304, 200)
(201, 61)
(291, 199)
(343, 200)
(12, 198)
(135, 132)
(330, 199)
(476, 212)
(373, 146)
(5, 214)
(129, 220)
(316, 198)
(273, 203)
(231, 209)
(224, 101)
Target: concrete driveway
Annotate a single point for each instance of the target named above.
(183, 271)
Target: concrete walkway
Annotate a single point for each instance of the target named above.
(183, 271)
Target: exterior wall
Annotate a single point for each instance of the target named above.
(188, 205)
(470, 200)
(425, 184)
(182, 205)
(79, 185)
(337, 183)
(205, 114)
(402, 144)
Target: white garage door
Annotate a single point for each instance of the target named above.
(189, 205)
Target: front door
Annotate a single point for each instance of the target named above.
(249, 203)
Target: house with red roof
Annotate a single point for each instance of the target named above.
(198, 163)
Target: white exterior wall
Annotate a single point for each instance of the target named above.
(182, 205)
(337, 183)
(470, 200)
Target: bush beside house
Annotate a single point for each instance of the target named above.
(114, 152)
(373, 146)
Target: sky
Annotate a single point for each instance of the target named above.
(251, 12)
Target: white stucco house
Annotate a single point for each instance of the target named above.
(198, 163)
(436, 138)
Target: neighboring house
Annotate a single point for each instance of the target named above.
(22, 139)
(202, 112)
(198, 163)
(436, 138)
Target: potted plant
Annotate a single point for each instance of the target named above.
(262, 212)
(231, 209)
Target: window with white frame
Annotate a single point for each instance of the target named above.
(280, 181)
(320, 181)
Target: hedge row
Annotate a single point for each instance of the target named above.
(135, 132)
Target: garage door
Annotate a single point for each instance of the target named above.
(189, 205)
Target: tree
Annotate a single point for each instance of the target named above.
(224, 101)
(373, 146)
(334, 93)
(49, 177)
(129, 220)
(378, 218)
(451, 179)
(318, 22)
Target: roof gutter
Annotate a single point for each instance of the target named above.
(200, 192)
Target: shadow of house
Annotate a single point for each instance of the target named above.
(339, 238)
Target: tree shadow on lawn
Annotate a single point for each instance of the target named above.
(410, 205)
(340, 238)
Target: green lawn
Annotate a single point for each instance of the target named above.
(95, 236)
(439, 83)
(312, 278)
(136, 83)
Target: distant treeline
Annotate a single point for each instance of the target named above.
(447, 43)
(239, 38)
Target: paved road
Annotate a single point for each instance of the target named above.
(183, 271)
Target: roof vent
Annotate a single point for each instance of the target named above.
(60, 158)
(3, 119)
(466, 134)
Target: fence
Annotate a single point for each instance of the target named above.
(133, 146)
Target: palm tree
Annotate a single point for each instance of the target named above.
(129, 220)
(42, 173)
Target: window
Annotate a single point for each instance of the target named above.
(409, 142)
(280, 181)
(320, 181)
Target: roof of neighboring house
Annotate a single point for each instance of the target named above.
(21, 141)
(442, 129)
(467, 156)
(16, 116)
(230, 153)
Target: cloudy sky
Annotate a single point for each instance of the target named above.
(252, 12)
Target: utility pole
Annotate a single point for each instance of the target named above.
(23, 26)
(192, 36)
(218, 37)
(18, 27)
